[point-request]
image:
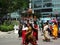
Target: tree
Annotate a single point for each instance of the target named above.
(8, 6)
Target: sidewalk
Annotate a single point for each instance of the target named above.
(9, 34)
(3, 33)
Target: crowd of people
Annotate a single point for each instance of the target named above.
(30, 28)
(50, 30)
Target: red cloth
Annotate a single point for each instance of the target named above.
(23, 35)
(35, 33)
(36, 26)
(51, 27)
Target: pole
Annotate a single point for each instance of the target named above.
(29, 3)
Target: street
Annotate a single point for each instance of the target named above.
(12, 39)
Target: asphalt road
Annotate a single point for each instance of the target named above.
(12, 39)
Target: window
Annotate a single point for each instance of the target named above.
(57, 5)
(47, 5)
(37, 4)
(46, 10)
(47, 0)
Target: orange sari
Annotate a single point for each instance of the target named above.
(55, 30)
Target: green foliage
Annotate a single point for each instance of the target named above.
(8, 25)
(3, 28)
(8, 6)
(14, 22)
(6, 28)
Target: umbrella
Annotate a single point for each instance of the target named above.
(53, 21)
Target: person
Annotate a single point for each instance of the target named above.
(35, 31)
(29, 36)
(55, 30)
(24, 28)
(45, 32)
(20, 30)
(42, 26)
(50, 29)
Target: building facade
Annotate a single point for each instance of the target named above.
(46, 7)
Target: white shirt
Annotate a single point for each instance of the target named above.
(45, 27)
(25, 28)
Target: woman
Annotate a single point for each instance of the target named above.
(24, 33)
(20, 31)
(35, 31)
(29, 36)
(55, 30)
(45, 31)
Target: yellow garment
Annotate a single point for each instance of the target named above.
(55, 31)
(29, 31)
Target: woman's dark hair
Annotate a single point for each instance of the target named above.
(35, 22)
(31, 26)
(55, 23)
(46, 23)
(27, 20)
(25, 25)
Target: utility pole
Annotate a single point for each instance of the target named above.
(30, 4)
